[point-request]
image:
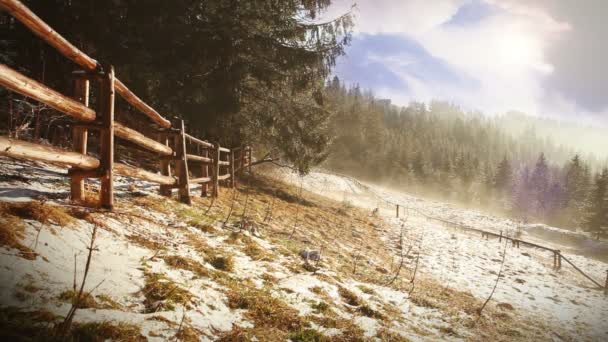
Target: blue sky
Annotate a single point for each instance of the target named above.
(543, 57)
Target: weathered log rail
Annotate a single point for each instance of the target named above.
(216, 163)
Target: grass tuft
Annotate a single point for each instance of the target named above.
(161, 293)
(12, 231)
(38, 211)
(221, 262)
(187, 264)
(273, 318)
(308, 335)
(102, 331)
(349, 297)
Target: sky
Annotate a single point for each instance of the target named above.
(542, 57)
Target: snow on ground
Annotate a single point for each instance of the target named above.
(120, 267)
(467, 262)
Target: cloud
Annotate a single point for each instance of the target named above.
(544, 57)
(409, 17)
(398, 67)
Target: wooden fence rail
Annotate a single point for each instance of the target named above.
(217, 163)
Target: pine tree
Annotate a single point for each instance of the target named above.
(576, 187)
(523, 196)
(504, 175)
(540, 184)
(596, 220)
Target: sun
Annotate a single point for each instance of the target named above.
(517, 49)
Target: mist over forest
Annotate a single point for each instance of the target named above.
(526, 168)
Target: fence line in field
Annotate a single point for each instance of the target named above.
(215, 163)
(558, 257)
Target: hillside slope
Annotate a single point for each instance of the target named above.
(231, 269)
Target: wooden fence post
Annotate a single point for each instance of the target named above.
(555, 259)
(181, 166)
(106, 148)
(165, 166)
(397, 210)
(606, 284)
(559, 259)
(232, 175)
(500, 237)
(216, 169)
(79, 138)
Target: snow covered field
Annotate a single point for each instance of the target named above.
(148, 241)
(468, 262)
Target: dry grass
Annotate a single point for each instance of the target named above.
(349, 297)
(273, 319)
(222, 262)
(251, 248)
(349, 331)
(12, 231)
(321, 307)
(86, 300)
(39, 325)
(33, 325)
(187, 264)
(38, 211)
(161, 293)
(89, 301)
(387, 335)
(12, 228)
(102, 331)
(146, 242)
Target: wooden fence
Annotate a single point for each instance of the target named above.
(213, 162)
(558, 257)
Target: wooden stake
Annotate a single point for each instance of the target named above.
(106, 147)
(79, 139)
(555, 259)
(500, 237)
(397, 210)
(606, 284)
(559, 259)
(165, 167)
(181, 165)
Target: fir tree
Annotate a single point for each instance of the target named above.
(596, 220)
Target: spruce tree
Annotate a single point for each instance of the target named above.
(540, 184)
(596, 219)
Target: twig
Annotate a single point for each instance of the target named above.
(234, 199)
(413, 281)
(210, 205)
(502, 263)
(96, 286)
(401, 255)
(181, 323)
(67, 323)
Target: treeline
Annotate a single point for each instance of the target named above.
(447, 153)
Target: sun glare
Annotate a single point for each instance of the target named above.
(517, 49)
